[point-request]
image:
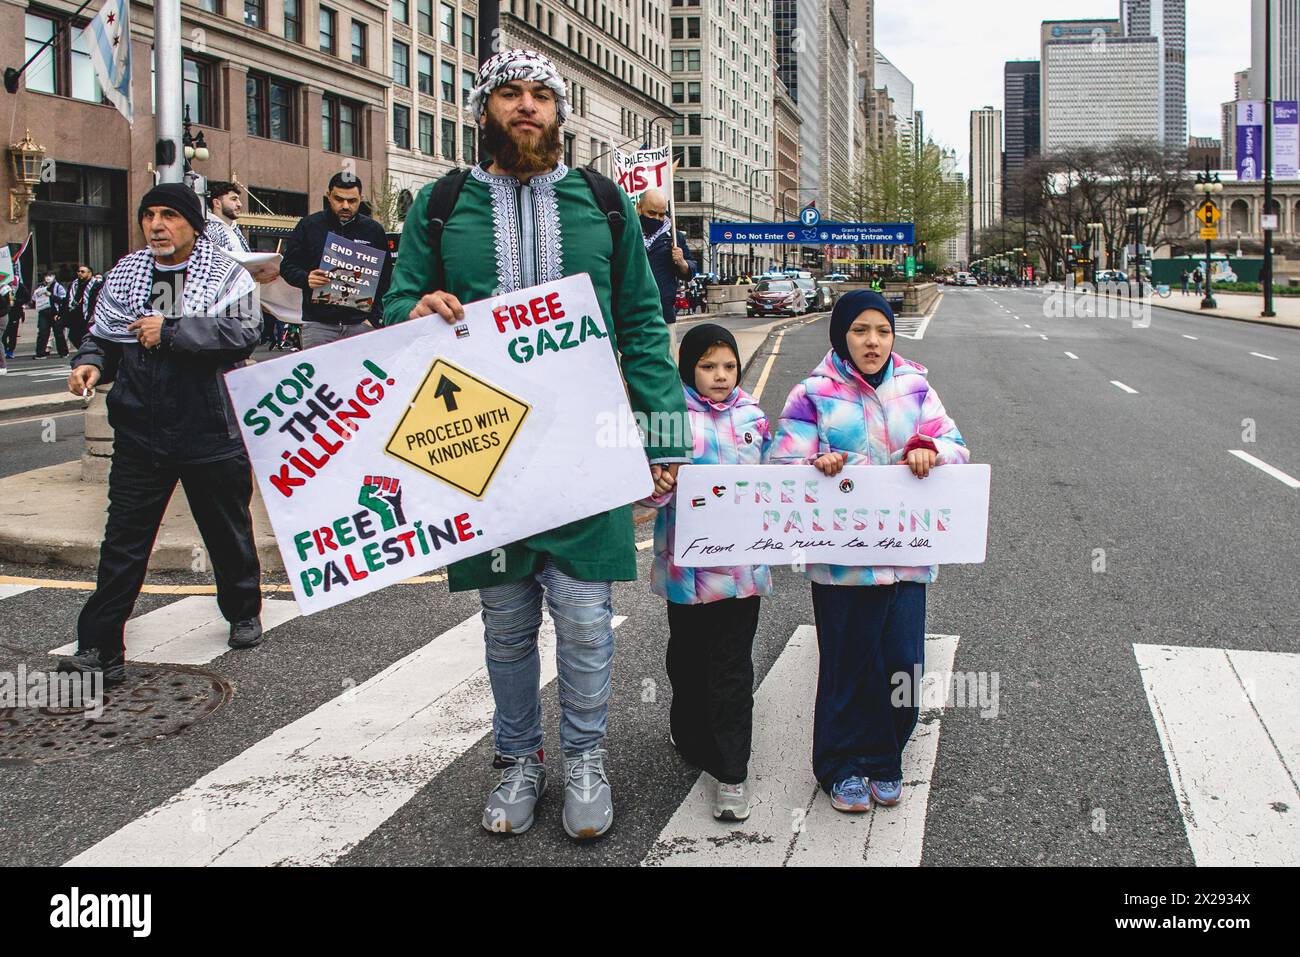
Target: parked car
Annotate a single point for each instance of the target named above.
(835, 277)
(817, 295)
(774, 297)
(1112, 275)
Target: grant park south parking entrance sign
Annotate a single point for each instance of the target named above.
(389, 454)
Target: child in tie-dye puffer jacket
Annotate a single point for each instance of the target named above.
(713, 612)
(865, 405)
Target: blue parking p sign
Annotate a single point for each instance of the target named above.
(810, 216)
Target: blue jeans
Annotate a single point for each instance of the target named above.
(871, 640)
(583, 613)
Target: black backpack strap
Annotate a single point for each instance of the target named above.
(442, 200)
(610, 200)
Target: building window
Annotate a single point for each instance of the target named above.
(271, 112)
(468, 37)
(424, 73)
(448, 82)
(447, 24)
(328, 29)
(468, 145)
(449, 139)
(693, 92)
(254, 14)
(679, 92)
(695, 191)
(402, 11)
(196, 90)
(467, 79)
(424, 16)
(341, 125)
(212, 6)
(426, 134)
(402, 126)
(292, 21)
(401, 64)
(65, 69)
(358, 43)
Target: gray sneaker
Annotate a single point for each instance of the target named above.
(510, 806)
(588, 804)
(731, 801)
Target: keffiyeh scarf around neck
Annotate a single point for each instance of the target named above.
(650, 240)
(128, 289)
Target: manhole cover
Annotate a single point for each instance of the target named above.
(156, 701)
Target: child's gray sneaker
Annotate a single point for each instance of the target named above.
(588, 803)
(511, 805)
(731, 801)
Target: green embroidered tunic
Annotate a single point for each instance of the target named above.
(505, 235)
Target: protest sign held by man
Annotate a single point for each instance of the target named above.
(170, 320)
(306, 247)
(543, 221)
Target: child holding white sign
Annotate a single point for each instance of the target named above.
(865, 405)
(713, 612)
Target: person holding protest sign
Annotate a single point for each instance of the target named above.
(306, 248)
(713, 612)
(866, 405)
(665, 247)
(545, 222)
(170, 320)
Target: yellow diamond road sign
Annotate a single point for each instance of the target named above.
(458, 428)
(1209, 214)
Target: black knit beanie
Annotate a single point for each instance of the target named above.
(696, 343)
(175, 196)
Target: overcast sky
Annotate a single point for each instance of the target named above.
(954, 50)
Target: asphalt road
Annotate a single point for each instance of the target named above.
(1199, 551)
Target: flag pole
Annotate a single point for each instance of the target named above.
(12, 76)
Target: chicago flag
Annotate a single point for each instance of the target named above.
(109, 37)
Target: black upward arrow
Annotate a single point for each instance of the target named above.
(447, 392)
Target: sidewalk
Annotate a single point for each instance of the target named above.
(1244, 307)
(52, 517)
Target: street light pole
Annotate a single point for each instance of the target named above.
(750, 179)
(1267, 273)
(168, 162)
(1208, 184)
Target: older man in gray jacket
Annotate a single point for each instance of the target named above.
(170, 320)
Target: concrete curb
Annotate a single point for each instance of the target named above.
(22, 407)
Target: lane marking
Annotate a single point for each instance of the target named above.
(8, 591)
(1043, 337)
(767, 369)
(189, 632)
(68, 585)
(1262, 356)
(1193, 338)
(791, 821)
(312, 790)
(1267, 469)
(644, 544)
(1230, 733)
(1072, 355)
(1120, 385)
(1028, 326)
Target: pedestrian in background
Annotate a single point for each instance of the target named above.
(865, 405)
(80, 307)
(665, 248)
(342, 215)
(15, 315)
(712, 612)
(49, 317)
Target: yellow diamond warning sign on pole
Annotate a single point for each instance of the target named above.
(458, 428)
(1209, 214)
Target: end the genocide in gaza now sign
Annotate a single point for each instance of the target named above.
(389, 454)
(865, 515)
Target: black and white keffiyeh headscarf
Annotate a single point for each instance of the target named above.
(512, 65)
(665, 227)
(128, 289)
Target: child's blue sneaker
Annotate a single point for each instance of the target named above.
(851, 795)
(886, 793)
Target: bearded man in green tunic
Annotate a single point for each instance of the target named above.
(523, 218)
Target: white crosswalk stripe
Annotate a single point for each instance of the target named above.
(188, 632)
(8, 591)
(317, 787)
(792, 822)
(1230, 731)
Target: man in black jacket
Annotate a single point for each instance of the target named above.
(170, 320)
(82, 295)
(665, 247)
(322, 323)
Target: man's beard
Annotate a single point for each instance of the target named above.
(526, 158)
